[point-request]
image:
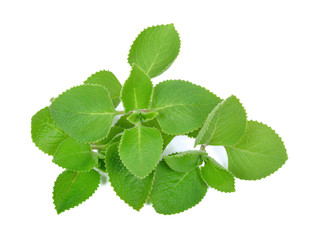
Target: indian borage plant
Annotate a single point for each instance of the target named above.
(77, 130)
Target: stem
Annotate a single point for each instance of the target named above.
(102, 147)
(120, 112)
(203, 147)
(101, 156)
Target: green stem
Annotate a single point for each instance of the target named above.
(102, 147)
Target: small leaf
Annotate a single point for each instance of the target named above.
(141, 117)
(45, 133)
(259, 153)
(73, 188)
(175, 192)
(182, 106)
(85, 112)
(166, 138)
(123, 122)
(140, 150)
(225, 125)
(137, 90)
(155, 49)
(74, 156)
(132, 190)
(108, 80)
(217, 176)
(185, 161)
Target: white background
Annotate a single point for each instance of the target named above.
(267, 53)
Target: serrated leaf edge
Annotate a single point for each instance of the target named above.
(185, 81)
(155, 165)
(78, 203)
(280, 141)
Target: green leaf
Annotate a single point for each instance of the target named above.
(74, 156)
(175, 192)
(137, 90)
(225, 125)
(155, 49)
(182, 106)
(73, 188)
(141, 117)
(114, 131)
(140, 150)
(259, 153)
(217, 176)
(166, 138)
(132, 190)
(185, 161)
(45, 133)
(85, 112)
(123, 122)
(108, 80)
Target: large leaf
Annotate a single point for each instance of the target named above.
(225, 125)
(45, 133)
(73, 188)
(74, 156)
(140, 150)
(85, 112)
(137, 90)
(183, 107)
(108, 80)
(155, 49)
(258, 154)
(134, 191)
(185, 161)
(217, 176)
(175, 192)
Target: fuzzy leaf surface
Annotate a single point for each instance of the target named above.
(140, 150)
(85, 112)
(141, 117)
(132, 190)
(175, 192)
(137, 90)
(108, 80)
(182, 106)
(73, 188)
(259, 153)
(225, 125)
(217, 176)
(185, 161)
(74, 156)
(45, 132)
(155, 49)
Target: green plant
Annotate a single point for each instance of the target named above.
(77, 130)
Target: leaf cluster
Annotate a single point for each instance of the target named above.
(80, 131)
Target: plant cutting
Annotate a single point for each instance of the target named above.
(79, 130)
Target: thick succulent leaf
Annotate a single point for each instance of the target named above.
(217, 176)
(74, 156)
(140, 150)
(85, 112)
(141, 117)
(225, 125)
(166, 138)
(155, 49)
(134, 191)
(73, 188)
(137, 90)
(259, 153)
(182, 106)
(185, 161)
(175, 192)
(108, 80)
(45, 133)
